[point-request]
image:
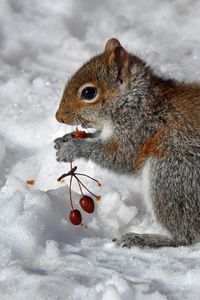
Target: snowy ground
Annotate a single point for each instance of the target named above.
(43, 256)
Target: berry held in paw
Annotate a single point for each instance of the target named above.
(79, 134)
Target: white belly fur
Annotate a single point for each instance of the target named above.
(146, 186)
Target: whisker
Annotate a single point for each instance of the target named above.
(83, 123)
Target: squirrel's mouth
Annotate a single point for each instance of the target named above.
(74, 120)
(86, 123)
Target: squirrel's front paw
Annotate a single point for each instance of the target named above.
(68, 151)
(61, 140)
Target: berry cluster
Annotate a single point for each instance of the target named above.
(86, 202)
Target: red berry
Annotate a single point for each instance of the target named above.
(75, 217)
(87, 204)
(79, 134)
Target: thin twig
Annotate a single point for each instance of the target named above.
(84, 186)
(71, 172)
(99, 184)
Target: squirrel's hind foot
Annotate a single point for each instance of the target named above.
(148, 240)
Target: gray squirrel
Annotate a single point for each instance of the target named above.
(142, 121)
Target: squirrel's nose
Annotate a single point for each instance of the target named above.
(60, 117)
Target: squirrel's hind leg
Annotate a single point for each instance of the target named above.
(149, 240)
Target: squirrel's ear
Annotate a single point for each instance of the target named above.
(120, 59)
(112, 44)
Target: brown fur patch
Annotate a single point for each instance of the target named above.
(180, 101)
(187, 103)
(152, 147)
(112, 146)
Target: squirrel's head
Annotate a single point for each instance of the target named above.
(96, 84)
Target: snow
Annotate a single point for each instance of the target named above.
(43, 256)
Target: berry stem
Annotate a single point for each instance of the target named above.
(80, 182)
(79, 185)
(99, 184)
(70, 192)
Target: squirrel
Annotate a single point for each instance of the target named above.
(152, 123)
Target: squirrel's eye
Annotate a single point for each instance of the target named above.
(89, 93)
